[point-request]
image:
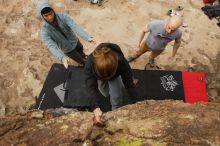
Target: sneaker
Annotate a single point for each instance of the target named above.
(84, 56)
(130, 59)
(151, 61)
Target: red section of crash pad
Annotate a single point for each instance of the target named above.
(194, 84)
(208, 1)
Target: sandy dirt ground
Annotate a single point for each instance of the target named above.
(25, 61)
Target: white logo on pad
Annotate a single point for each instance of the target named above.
(168, 82)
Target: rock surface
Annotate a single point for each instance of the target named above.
(25, 61)
(148, 123)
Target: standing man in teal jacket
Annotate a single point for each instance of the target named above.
(58, 33)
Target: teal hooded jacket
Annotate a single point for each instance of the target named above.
(56, 43)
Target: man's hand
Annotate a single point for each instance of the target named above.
(98, 116)
(65, 62)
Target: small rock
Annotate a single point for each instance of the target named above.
(212, 85)
(185, 25)
(195, 60)
(35, 115)
(217, 36)
(186, 36)
(186, 30)
(213, 93)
